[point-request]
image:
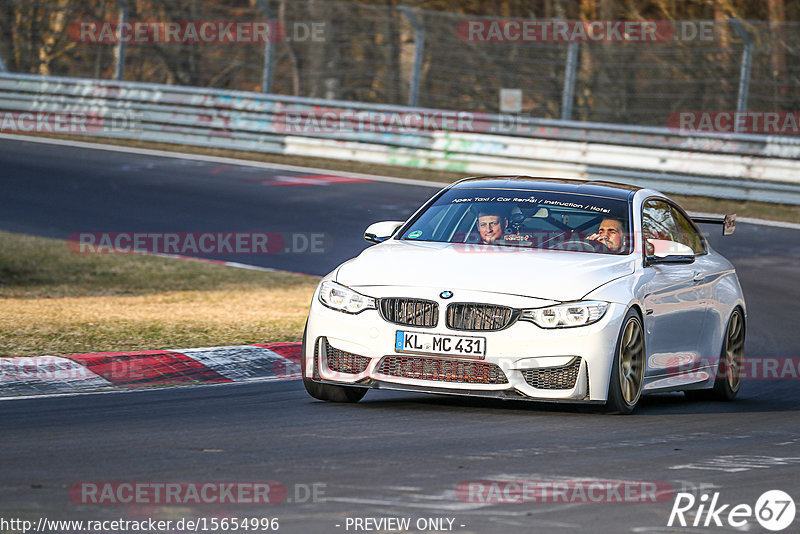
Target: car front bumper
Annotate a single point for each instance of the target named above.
(522, 361)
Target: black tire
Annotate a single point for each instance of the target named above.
(728, 380)
(329, 392)
(731, 359)
(627, 372)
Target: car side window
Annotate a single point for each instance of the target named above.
(657, 222)
(687, 234)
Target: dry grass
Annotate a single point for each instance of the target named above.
(56, 302)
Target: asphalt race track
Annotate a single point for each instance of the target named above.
(394, 454)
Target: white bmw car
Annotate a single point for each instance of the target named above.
(515, 287)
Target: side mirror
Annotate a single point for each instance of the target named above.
(663, 251)
(381, 231)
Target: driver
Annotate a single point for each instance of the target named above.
(610, 234)
(492, 223)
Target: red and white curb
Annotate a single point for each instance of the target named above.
(108, 371)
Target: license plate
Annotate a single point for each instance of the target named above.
(424, 343)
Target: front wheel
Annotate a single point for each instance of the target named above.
(329, 392)
(627, 373)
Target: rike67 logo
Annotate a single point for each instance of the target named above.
(774, 510)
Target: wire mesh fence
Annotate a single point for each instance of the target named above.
(398, 55)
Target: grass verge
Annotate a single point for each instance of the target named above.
(758, 210)
(55, 302)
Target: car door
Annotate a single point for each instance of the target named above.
(706, 274)
(675, 297)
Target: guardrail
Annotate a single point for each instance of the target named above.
(734, 166)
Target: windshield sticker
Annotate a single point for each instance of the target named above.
(534, 200)
(576, 205)
(415, 234)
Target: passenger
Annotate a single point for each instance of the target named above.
(492, 224)
(610, 234)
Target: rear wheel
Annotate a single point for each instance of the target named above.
(731, 360)
(329, 392)
(627, 373)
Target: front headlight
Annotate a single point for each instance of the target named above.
(344, 299)
(566, 315)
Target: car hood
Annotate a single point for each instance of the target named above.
(551, 275)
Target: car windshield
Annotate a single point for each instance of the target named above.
(525, 218)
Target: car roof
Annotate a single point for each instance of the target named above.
(565, 185)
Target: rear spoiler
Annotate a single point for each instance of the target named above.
(728, 222)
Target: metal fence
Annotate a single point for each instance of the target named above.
(724, 166)
(404, 56)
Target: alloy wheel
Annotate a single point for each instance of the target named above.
(734, 351)
(631, 362)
